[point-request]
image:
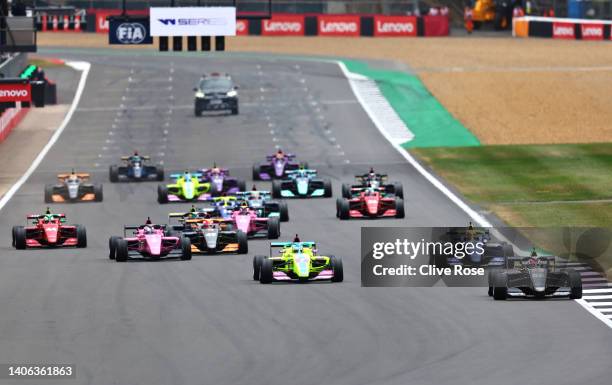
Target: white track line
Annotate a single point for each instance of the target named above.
(362, 88)
(79, 66)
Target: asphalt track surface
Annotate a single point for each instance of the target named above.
(205, 321)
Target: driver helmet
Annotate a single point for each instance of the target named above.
(280, 154)
(148, 222)
(148, 229)
(215, 169)
(193, 213)
(533, 258)
(255, 195)
(372, 174)
(296, 239)
(244, 208)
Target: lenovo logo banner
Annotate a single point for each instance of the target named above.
(592, 31)
(242, 27)
(563, 31)
(330, 25)
(395, 25)
(15, 93)
(283, 25)
(193, 21)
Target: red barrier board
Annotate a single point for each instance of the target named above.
(242, 27)
(333, 25)
(592, 31)
(395, 25)
(436, 25)
(15, 92)
(283, 25)
(563, 30)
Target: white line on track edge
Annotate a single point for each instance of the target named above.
(353, 78)
(79, 66)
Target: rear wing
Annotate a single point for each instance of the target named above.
(80, 175)
(287, 156)
(382, 177)
(548, 258)
(126, 158)
(136, 227)
(307, 171)
(281, 245)
(193, 174)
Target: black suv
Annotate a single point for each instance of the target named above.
(216, 92)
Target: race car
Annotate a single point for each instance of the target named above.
(296, 261)
(148, 241)
(370, 203)
(224, 183)
(535, 277)
(135, 169)
(209, 235)
(261, 202)
(492, 254)
(187, 187)
(247, 221)
(276, 167)
(48, 231)
(302, 183)
(374, 180)
(216, 92)
(73, 187)
(222, 206)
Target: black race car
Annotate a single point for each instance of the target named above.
(135, 169)
(535, 277)
(216, 92)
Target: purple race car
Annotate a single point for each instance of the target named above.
(221, 179)
(276, 166)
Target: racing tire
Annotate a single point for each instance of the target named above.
(197, 112)
(346, 190)
(257, 261)
(49, 193)
(575, 283)
(336, 265)
(398, 190)
(162, 194)
(113, 174)
(81, 236)
(241, 184)
(490, 278)
(98, 192)
(500, 287)
(266, 274)
(508, 250)
(343, 209)
(284, 211)
(273, 228)
(256, 172)
(112, 246)
(159, 173)
(185, 249)
(121, 250)
(243, 242)
(19, 235)
(276, 188)
(327, 188)
(399, 208)
(235, 110)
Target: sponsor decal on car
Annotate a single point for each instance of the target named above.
(330, 25)
(563, 30)
(395, 25)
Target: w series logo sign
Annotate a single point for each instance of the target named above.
(129, 31)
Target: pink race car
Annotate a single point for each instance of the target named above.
(247, 221)
(149, 241)
(370, 203)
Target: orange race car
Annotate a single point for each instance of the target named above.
(73, 187)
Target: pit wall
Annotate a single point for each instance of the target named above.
(561, 28)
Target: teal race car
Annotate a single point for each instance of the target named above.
(187, 187)
(296, 261)
(302, 183)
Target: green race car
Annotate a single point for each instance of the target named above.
(296, 261)
(187, 187)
